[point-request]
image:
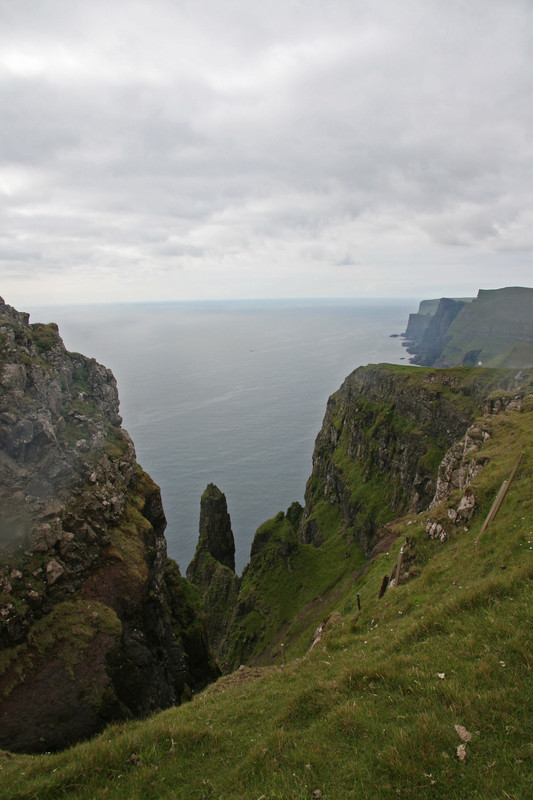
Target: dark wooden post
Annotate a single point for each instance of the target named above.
(499, 499)
(384, 584)
(395, 580)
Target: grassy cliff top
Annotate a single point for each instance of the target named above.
(495, 323)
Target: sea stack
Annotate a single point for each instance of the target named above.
(213, 567)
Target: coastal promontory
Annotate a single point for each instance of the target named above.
(494, 329)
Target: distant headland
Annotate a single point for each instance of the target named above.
(494, 329)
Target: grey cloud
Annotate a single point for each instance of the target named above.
(176, 250)
(141, 133)
(346, 261)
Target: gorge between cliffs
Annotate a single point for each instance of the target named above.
(98, 625)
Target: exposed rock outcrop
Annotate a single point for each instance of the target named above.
(237, 608)
(87, 629)
(463, 462)
(384, 436)
(426, 332)
(212, 569)
(419, 321)
(216, 536)
(458, 469)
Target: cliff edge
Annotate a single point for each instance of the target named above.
(95, 622)
(394, 441)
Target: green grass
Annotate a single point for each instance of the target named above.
(286, 586)
(496, 323)
(115, 443)
(64, 634)
(370, 712)
(520, 354)
(45, 336)
(364, 716)
(391, 424)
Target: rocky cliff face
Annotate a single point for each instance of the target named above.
(426, 332)
(212, 569)
(239, 609)
(88, 629)
(393, 440)
(384, 433)
(494, 329)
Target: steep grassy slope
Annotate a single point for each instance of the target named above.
(490, 327)
(424, 693)
(286, 589)
(271, 611)
(496, 329)
(376, 457)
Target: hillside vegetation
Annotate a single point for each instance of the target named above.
(494, 329)
(422, 693)
(376, 457)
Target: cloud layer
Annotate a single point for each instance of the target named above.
(170, 150)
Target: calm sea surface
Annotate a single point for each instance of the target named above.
(229, 392)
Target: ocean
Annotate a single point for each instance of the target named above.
(229, 392)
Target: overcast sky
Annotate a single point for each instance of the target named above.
(178, 149)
